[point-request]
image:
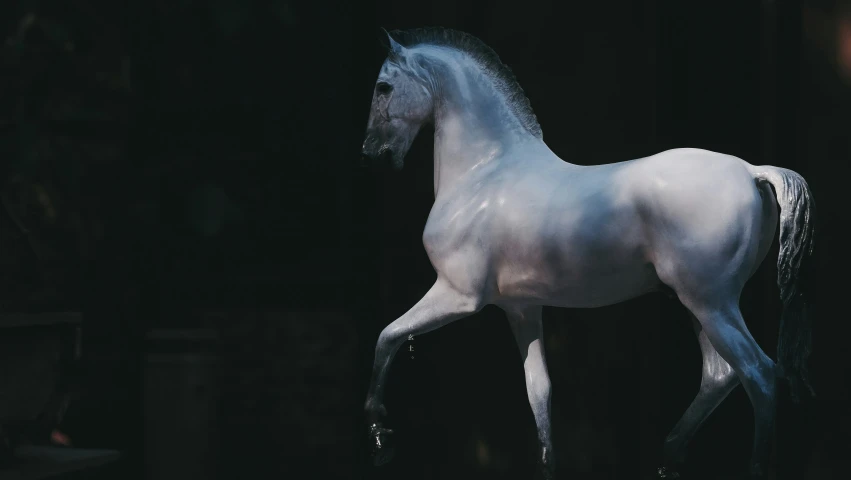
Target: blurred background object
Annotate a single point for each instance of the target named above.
(827, 27)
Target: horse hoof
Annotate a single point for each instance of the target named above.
(382, 449)
(667, 473)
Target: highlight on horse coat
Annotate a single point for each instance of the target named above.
(514, 225)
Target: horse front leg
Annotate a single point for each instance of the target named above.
(441, 305)
(527, 325)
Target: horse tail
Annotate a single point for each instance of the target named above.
(794, 274)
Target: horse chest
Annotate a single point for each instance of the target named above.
(451, 228)
(472, 240)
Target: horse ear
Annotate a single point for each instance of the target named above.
(393, 47)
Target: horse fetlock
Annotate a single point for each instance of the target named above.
(382, 449)
(546, 463)
(547, 458)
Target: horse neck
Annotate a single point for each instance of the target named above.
(474, 127)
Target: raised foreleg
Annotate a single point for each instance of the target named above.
(441, 305)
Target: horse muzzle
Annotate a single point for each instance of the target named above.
(376, 157)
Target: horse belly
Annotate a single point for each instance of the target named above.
(576, 274)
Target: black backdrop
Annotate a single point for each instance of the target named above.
(233, 185)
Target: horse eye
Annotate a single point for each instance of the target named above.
(383, 88)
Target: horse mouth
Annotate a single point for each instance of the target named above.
(382, 158)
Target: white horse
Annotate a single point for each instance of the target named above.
(515, 226)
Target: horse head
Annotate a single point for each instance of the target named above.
(401, 104)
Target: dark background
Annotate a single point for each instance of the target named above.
(185, 174)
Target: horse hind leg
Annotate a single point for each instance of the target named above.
(717, 381)
(725, 329)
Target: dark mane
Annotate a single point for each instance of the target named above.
(485, 57)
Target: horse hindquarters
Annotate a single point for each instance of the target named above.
(706, 245)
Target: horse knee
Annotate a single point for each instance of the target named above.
(391, 335)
